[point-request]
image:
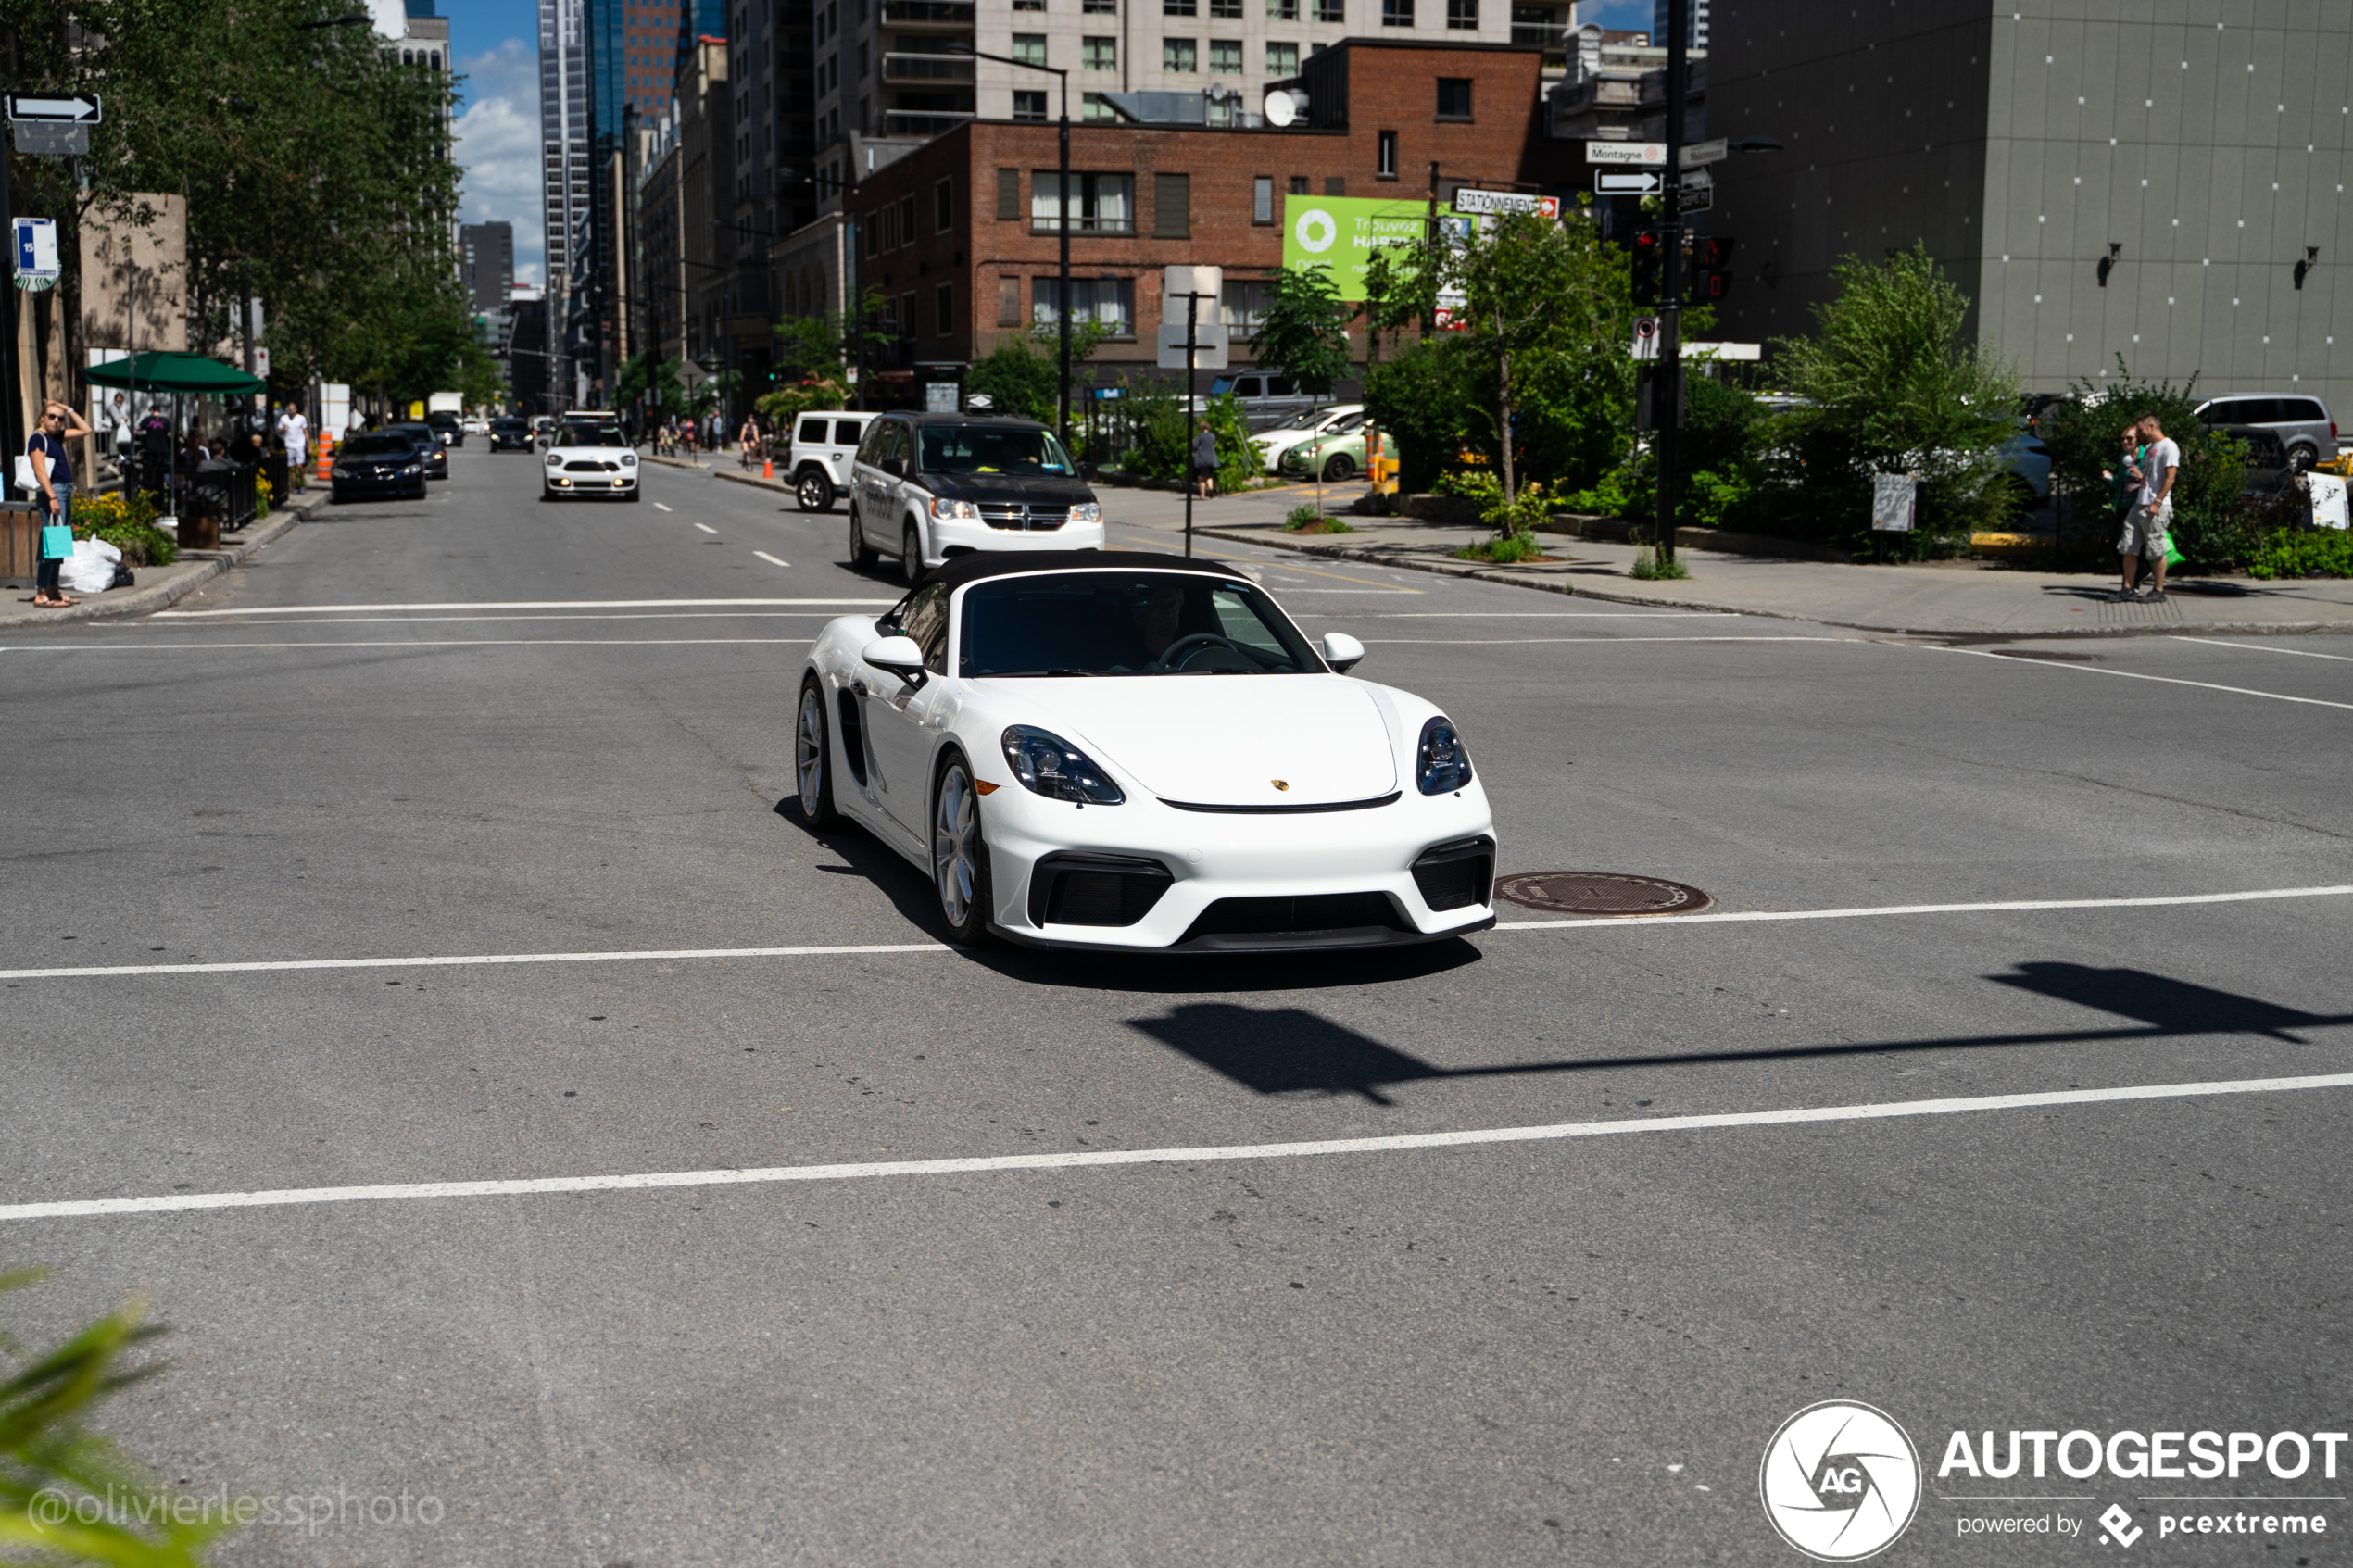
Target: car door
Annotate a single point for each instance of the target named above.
(848, 433)
(865, 479)
(902, 720)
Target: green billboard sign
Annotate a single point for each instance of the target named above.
(1338, 234)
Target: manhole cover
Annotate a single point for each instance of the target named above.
(1601, 893)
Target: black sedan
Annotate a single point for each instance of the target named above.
(449, 427)
(510, 435)
(425, 440)
(380, 462)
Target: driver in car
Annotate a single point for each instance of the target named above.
(1157, 618)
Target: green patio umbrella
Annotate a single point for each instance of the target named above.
(160, 370)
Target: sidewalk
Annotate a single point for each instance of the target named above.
(1951, 600)
(162, 586)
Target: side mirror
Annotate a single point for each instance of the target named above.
(902, 657)
(894, 467)
(1341, 651)
(1087, 471)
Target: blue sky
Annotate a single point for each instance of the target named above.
(496, 47)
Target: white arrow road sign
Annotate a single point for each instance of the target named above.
(1643, 184)
(73, 107)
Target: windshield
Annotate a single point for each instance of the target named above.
(991, 449)
(1127, 623)
(590, 435)
(384, 444)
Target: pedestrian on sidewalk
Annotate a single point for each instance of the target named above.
(1205, 462)
(2151, 519)
(295, 431)
(53, 472)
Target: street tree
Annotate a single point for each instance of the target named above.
(1304, 334)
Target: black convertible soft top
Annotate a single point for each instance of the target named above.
(992, 563)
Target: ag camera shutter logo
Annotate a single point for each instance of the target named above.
(1840, 1481)
(1315, 230)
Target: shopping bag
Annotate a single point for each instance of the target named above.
(57, 542)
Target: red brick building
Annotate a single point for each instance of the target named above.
(961, 236)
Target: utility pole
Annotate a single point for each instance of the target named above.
(1666, 387)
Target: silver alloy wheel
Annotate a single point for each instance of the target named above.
(955, 844)
(809, 752)
(910, 554)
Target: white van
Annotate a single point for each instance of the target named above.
(824, 444)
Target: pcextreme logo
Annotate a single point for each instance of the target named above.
(1840, 1481)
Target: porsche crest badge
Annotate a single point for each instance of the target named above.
(1280, 783)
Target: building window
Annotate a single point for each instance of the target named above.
(907, 227)
(1282, 10)
(1102, 203)
(1110, 302)
(1397, 13)
(1029, 106)
(1224, 56)
(1262, 199)
(1331, 10)
(1098, 7)
(1009, 301)
(1453, 97)
(1462, 16)
(1029, 48)
(1029, 4)
(943, 206)
(1232, 8)
(1099, 53)
(1387, 170)
(1298, 184)
(944, 305)
(1540, 25)
(1335, 184)
(1178, 54)
(1177, 8)
(1282, 59)
(1171, 207)
(1009, 196)
(1242, 303)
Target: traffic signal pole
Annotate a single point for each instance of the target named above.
(1667, 385)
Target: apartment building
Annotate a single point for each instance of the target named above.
(960, 235)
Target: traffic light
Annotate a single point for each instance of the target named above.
(1648, 261)
(1712, 269)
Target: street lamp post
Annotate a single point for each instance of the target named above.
(1061, 205)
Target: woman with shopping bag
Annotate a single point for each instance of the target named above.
(45, 453)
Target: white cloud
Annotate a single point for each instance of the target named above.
(498, 148)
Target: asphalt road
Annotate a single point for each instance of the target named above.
(1549, 1349)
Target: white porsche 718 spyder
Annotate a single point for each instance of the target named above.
(1127, 752)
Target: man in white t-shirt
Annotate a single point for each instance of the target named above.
(2151, 519)
(295, 431)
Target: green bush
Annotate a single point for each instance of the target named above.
(1422, 400)
(127, 521)
(1301, 518)
(1626, 490)
(1650, 569)
(1018, 380)
(2214, 524)
(2322, 553)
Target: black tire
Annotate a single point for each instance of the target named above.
(813, 756)
(1340, 469)
(546, 493)
(418, 494)
(861, 554)
(959, 854)
(815, 489)
(911, 555)
(2301, 458)
(633, 493)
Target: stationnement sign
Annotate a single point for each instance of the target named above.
(1495, 202)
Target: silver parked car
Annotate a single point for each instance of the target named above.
(2301, 423)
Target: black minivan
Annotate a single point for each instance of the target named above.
(926, 487)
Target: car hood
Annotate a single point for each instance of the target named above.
(1223, 740)
(1033, 490)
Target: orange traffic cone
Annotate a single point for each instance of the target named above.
(767, 467)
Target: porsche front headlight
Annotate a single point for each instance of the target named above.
(1087, 511)
(1442, 765)
(1046, 764)
(959, 512)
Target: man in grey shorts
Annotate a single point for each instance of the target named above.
(2151, 519)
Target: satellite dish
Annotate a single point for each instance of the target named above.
(1282, 106)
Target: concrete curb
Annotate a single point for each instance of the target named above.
(1375, 556)
(162, 595)
(739, 477)
(677, 463)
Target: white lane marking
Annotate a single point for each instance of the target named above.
(2258, 647)
(706, 528)
(1743, 916)
(771, 559)
(534, 619)
(1536, 614)
(1488, 642)
(412, 643)
(509, 604)
(449, 960)
(2136, 675)
(1398, 1142)
(660, 507)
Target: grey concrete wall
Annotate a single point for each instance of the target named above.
(2021, 138)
